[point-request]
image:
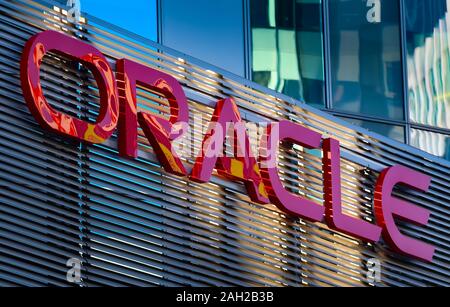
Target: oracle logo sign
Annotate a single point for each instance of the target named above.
(118, 109)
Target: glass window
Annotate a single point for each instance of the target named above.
(138, 16)
(428, 61)
(210, 30)
(394, 132)
(287, 47)
(365, 50)
(433, 143)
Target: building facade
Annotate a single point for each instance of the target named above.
(369, 74)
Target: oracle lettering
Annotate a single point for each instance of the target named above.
(118, 108)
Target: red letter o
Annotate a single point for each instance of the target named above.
(49, 118)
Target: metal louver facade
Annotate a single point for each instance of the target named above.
(131, 223)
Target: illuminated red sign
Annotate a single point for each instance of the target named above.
(118, 109)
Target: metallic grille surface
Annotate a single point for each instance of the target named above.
(130, 223)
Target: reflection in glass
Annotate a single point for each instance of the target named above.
(433, 143)
(287, 47)
(428, 61)
(394, 132)
(366, 66)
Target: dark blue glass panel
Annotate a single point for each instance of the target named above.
(210, 30)
(394, 132)
(366, 67)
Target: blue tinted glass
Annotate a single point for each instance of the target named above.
(287, 48)
(394, 132)
(138, 16)
(427, 23)
(366, 67)
(210, 30)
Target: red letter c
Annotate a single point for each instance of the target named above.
(278, 195)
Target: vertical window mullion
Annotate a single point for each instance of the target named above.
(405, 70)
(327, 55)
(247, 40)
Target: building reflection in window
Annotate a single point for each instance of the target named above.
(428, 57)
(433, 143)
(287, 49)
(366, 66)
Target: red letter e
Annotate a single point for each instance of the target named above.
(386, 207)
